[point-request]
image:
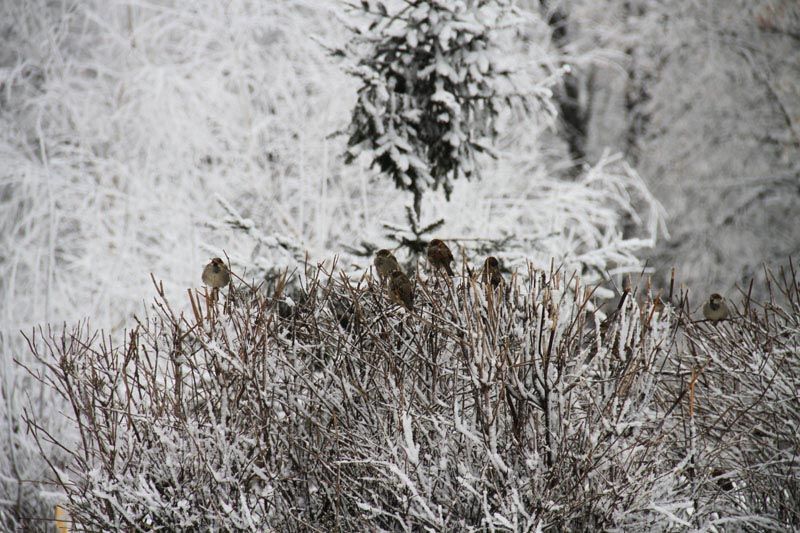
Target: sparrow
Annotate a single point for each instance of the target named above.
(401, 291)
(440, 256)
(216, 274)
(385, 263)
(491, 271)
(658, 305)
(715, 309)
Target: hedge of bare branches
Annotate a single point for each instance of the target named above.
(328, 407)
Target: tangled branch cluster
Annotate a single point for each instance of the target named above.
(511, 408)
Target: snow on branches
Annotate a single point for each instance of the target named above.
(432, 85)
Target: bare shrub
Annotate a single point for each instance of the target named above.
(511, 409)
(741, 429)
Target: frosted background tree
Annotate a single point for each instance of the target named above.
(703, 100)
(439, 81)
(432, 87)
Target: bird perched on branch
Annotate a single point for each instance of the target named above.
(491, 271)
(440, 256)
(216, 274)
(401, 290)
(715, 309)
(385, 263)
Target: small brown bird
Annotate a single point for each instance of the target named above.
(658, 305)
(440, 256)
(385, 263)
(401, 291)
(491, 271)
(715, 309)
(216, 274)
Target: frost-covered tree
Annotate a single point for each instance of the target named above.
(703, 100)
(432, 80)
